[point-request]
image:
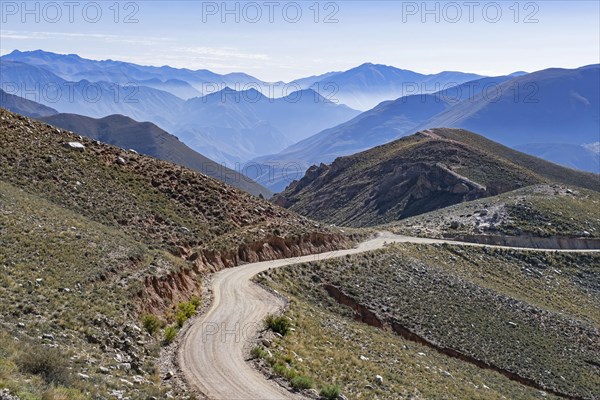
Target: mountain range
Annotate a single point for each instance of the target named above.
(551, 106)
(367, 85)
(551, 113)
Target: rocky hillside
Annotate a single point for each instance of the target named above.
(149, 139)
(544, 212)
(417, 174)
(103, 254)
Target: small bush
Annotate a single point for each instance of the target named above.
(151, 323)
(280, 325)
(302, 382)
(186, 310)
(330, 392)
(258, 352)
(170, 334)
(283, 370)
(50, 364)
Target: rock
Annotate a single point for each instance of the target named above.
(75, 146)
(104, 370)
(83, 376)
(266, 342)
(121, 161)
(370, 387)
(48, 336)
(364, 358)
(460, 188)
(511, 323)
(6, 395)
(379, 379)
(342, 397)
(169, 375)
(455, 225)
(133, 151)
(483, 212)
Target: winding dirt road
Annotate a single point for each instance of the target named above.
(211, 355)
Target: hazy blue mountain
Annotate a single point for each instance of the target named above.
(228, 126)
(23, 106)
(569, 155)
(177, 87)
(369, 84)
(72, 67)
(552, 106)
(231, 126)
(94, 99)
(563, 109)
(147, 138)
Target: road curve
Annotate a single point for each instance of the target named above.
(211, 354)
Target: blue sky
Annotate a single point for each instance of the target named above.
(484, 37)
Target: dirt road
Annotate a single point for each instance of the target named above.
(211, 354)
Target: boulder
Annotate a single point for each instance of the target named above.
(75, 146)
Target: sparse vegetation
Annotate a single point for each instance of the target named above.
(89, 245)
(170, 333)
(186, 310)
(524, 309)
(302, 382)
(279, 324)
(330, 392)
(538, 211)
(258, 352)
(50, 364)
(151, 323)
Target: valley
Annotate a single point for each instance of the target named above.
(300, 200)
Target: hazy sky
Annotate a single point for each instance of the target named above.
(280, 40)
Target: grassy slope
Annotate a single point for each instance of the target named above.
(153, 201)
(75, 279)
(79, 233)
(552, 298)
(149, 139)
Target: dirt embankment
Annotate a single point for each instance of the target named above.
(532, 242)
(161, 292)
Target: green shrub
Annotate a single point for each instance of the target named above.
(280, 324)
(170, 334)
(50, 364)
(151, 323)
(258, 352)
(302, 382)
(283, 370)
(330, 392)
(186, 310)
